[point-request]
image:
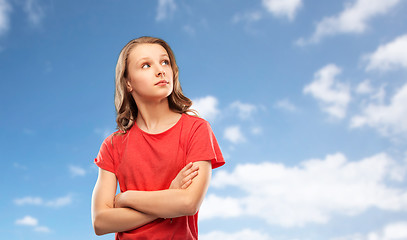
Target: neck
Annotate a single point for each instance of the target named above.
(155, 116)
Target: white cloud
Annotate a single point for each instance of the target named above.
(234, 134)
(27, 221)
(32, 222)
(207, 107)
(379, 95)
(245, 110)
(311, 192)
(42, 229)
(376, 95)
(58, 202)
(283, 8)
(34, 11)
(19, 166)
(333, 95)
(364, 87)
(389, 56)
(353, 19)
(224, 207)
(278, 8)
(77, 171)
(256, 130)
(395, 231)
(165, 9)
(104, 132)
(252, 16)
(389, 120)
(392, 231)
(189, 29)
(29, 201)
(5, 10)
(240, 235)
(286, 105)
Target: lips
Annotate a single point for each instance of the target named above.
(162, 82)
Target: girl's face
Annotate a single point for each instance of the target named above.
(150, 76)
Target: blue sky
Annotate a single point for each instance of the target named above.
(308, 100)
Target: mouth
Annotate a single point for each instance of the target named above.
(162, 82)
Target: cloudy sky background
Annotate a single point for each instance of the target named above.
(308, 100)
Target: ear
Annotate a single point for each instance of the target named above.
(128, 86)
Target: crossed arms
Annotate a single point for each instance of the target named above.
(133, 209)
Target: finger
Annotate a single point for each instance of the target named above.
(190, 177)
(186, 185)
(190, 170)
(187, 167)
(195, 167)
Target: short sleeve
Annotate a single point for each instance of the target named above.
(105, 158)
(203, 146)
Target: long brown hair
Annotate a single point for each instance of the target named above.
(126, 108)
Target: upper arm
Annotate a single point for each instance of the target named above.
(197, 190)
(104, 192)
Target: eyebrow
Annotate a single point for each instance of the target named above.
(148, 58)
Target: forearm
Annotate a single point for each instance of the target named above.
(165, 203)
(170, 203)
(112, 220)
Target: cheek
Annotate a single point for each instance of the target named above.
(172, 75)
(137, 78)
(133, 84)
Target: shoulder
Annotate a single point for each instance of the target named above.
(195, 120)
(196, 126)
(115, 139)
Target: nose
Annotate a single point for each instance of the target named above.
(161, 73)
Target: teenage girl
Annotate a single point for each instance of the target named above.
(161, 156)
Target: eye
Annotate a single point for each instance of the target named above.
(165, 62)
(145, 65)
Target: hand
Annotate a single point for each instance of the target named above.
(185, 176)
(117, 200)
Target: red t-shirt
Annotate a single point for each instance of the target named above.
(149, 162)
